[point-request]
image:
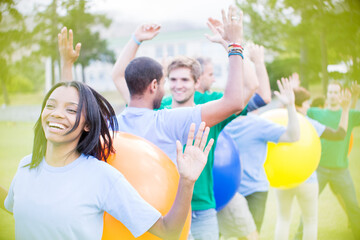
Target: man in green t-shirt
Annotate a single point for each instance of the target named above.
(182, 81)
(334, 162)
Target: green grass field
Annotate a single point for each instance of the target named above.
(16, 142)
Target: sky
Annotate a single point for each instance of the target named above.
(196, 11)
(159, 11)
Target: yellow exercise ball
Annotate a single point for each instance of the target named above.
(289, 164)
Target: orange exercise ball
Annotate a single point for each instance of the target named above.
(351, 143)
(289, 164)
(151, 172)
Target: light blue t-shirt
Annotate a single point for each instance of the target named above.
(251, 134)
(162, 127)
(320, 128)
(69, 202)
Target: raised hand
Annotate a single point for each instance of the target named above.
(193, 160)
(67, 53)
(345, 99)
(256, 53)
(286, 94)
(294, 80)
(355, 89)
(146, 32)
(217, 30)
(233, 25)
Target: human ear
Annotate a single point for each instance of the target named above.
(153, 85)
(87, 127)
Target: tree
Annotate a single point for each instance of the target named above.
(317, 32)
(83, 24)
(12, 38)
(75, 16)
(45, 34)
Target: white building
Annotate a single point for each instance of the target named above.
(190, 43)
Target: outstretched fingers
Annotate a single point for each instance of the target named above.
(191, 135)
(199, 135)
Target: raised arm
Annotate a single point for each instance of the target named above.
(355, 92)
(142, 33)
(239, 88)
(286, 96)
(190, 165)
(217, 29)
(68, 54)
(256, 55)
(340, 132)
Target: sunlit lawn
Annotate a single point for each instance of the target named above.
(16, 142)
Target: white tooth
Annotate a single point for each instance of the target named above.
(57, 125)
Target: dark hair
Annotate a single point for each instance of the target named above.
(301, 95)
(203, 61)
(99, 116)
(318, 102)
(186, 62)
(140, 72)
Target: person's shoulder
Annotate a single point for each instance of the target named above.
(100, 167)
(166, 103)
(354, 111)
(200, 98)
(25, 160)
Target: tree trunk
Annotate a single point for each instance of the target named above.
(52, 72)
(324, 61)
(83, 73)
(303, 62)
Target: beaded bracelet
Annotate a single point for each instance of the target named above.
(135, 40)
(235, 49)
(239, 54)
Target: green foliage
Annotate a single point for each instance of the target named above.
(281, 68)
(83, 23)
(19, 83)
(317, 33)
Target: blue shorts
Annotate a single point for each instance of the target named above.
(204, 225)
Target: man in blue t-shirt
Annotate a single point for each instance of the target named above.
(251, 135)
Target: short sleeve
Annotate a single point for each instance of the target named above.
(255, 102)
(354, 117)
(178, 121)
(270, 131)
(125, 204)
(9, 200)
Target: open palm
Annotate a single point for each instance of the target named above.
(285, 93)
(193, 160)
(147, 32)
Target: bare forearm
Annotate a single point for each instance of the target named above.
(171, 225)
(344, 118)
(251, 81)
(118, 72)
(66, 72)
(234, 91)
(354, 101)
(293, 126)
(292, 132)
(264, 85)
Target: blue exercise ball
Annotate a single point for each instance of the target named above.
(226, 170)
